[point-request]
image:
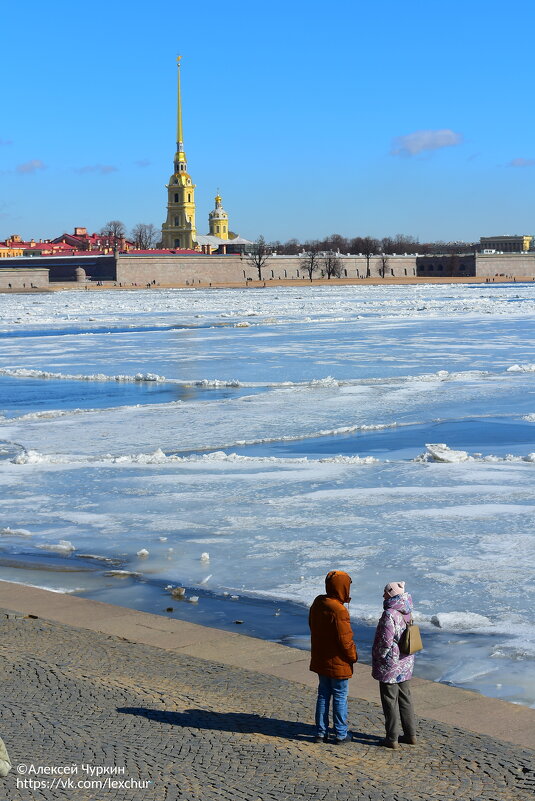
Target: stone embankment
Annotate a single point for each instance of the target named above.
(153, 712)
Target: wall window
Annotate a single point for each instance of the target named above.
(176, 197)
(189, 198)
(177, 222)
(177, 243)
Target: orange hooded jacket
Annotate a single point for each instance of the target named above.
(332, 648)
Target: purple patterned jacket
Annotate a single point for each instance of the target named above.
(388, 665)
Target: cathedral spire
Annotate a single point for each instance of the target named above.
(180, 158)
(179, 231)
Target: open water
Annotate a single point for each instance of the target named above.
(252, 440)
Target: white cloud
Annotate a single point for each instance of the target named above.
(520, 162)
(30, 166)
(419, 141)
(102, 169)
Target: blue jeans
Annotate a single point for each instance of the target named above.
(337, 689)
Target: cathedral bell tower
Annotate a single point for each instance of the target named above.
(179, 231)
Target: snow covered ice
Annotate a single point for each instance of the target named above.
(386, 431)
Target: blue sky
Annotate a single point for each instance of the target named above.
(351, 118)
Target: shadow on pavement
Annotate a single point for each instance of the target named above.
(241, 722)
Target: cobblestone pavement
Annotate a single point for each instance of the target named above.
(198, 730)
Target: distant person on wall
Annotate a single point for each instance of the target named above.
(333, 653)
(392, 669)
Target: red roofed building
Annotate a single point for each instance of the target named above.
(18, 247)
(105, 243)
(80, 244)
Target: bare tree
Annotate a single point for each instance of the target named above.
(310, 261)
(144, 236)
(114, 228)
(113, 232)
(334, 242)
(259, 255)
(387, 245)
(383, 264)
(331, 266)
(291, 248)
(367, 246)
(401, 243)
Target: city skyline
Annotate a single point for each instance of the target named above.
(371, 121)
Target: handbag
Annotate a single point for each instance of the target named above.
(410, 641)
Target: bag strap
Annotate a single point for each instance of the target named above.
(401, 617)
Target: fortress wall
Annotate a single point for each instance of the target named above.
(20, 278)
(195, 270)
(514, 265)
(436, 266)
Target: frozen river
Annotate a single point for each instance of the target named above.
(282, 432)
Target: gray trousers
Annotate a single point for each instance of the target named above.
(397, 707)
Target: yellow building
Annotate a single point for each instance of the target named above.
(12, 247)
(218, 220)
(179, 231)
(506, 244)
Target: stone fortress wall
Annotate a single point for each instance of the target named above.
(198, 270)
(194, 270)
(482, 265)
(519, 265)
(23, 278)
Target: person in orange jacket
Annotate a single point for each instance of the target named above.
(333, 653)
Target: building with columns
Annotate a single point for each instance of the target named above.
(506, 244)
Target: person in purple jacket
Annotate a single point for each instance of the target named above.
(392, 669)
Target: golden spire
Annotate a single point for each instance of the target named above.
(181, 156)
